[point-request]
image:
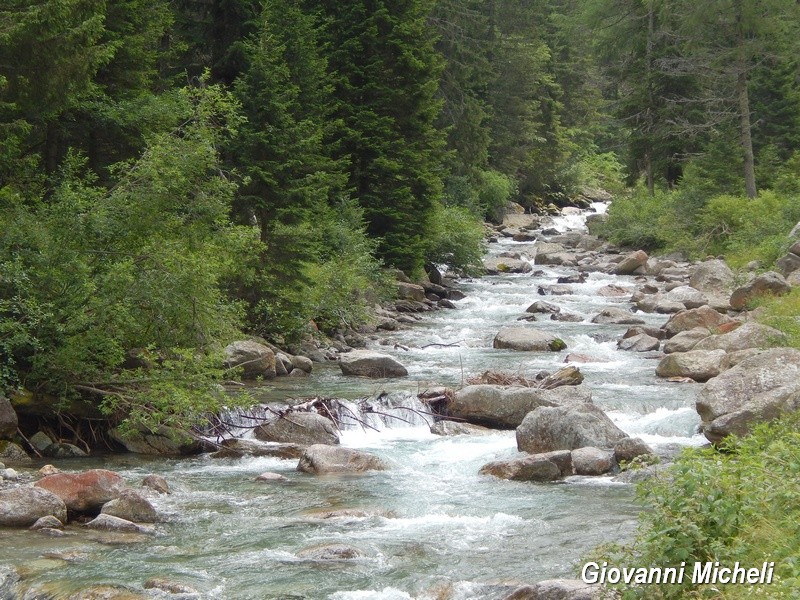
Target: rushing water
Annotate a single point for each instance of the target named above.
(434, 524)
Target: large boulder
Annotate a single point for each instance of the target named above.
(410, 291)
(8, 419)
(716, 280)
(558, 589)
(132, 506)
(304, 428)
(629, 448)
(321, 459)
(256, 360)
(639, 343)
(631, 263)
(686, 295)
(539, 467)
(528, 339)
(162, 441)
(705, 316)
(789, 263)
(504, 407)
(749, 335)
(366, 363)
(104, 522)
(12, 453)
(700, 365)
(566, 428)
(617, 316)
(500, 264)
(686, 340)
(766, 284)
(22, 506)
(84, 492)
(593, 461)
(760, 388)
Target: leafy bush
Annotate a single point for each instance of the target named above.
(456, 239)
(738, 504)
(494, 191)
(783, 313)
(601, 171)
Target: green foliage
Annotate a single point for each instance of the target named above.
(456, 240)
(601, 171)
(494, 191)
(741, 503)
(782, 312)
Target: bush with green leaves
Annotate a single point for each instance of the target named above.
(740, 502)
(456, 239)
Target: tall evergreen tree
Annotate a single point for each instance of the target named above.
(386, 76)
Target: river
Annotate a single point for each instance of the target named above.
(436, 528)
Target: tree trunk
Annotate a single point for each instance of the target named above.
(745, 136)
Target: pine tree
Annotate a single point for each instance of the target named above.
(386, 73)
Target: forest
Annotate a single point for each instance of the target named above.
(177, 173)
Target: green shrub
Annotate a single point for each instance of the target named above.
(494, 191)
(738, 504)
(783, 313)
(456, 239)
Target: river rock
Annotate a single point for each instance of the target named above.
(557, 589)
(686, 340)
(529, 468)
(639, 343)
(303, 363)
(700, 365)
(497, 265)
(613, 291)
(749, 335)
(766, 284)
(631, 262)
(104, 522)
(12, 453)
(156, 483)
(789, 263)
(131, 506)
(365, 363)
(22, 506)
(592, 461)
(504, 407)
(8, 419)
(410, 291)
(540, 306)
(47, 522)
(527, 339)
(705, 316)
(305, 428)
(716, 280)
(256, 360)
(566, 428)
(687, 296)
(447, 428)
(238, 447)
(63, 450)
(163, 441)
(330, 552)
(269, 477)
(84, 492)
(170, 587)
(617, 316)
(629, 448)
(760, 388)
(321, 459)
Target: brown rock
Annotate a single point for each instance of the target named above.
(84, 492)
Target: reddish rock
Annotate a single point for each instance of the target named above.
(84, 492)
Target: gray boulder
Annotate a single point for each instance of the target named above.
(238, 447)
(496, 265)
(716, 280)
(760, 388)
(505, 407)
(528, 339)
(8, 419)
(631, 263)
(766, 284)
(617, 316)
(410, 291)
(539, 467)
(749, 335)
(365, 363)
(320, 459)
(788, 264)
(558, 589)
(326, 552)
(639, 343)
(305, 428)
(592, 461)
(540, 306)
(629, 448)
(131, 506)
(22, 506)
(103, 522)
(686, 295)
(12, 453)
(700, 365)
(566, 428)
(303, 363)
(156, 483)
(256, 360)
(705, 316)
(448, 428)
(686, 340)
(163, 441)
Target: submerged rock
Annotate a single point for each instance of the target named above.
(104, 522)
(321, 459)
(156, 483)
(331, 552)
